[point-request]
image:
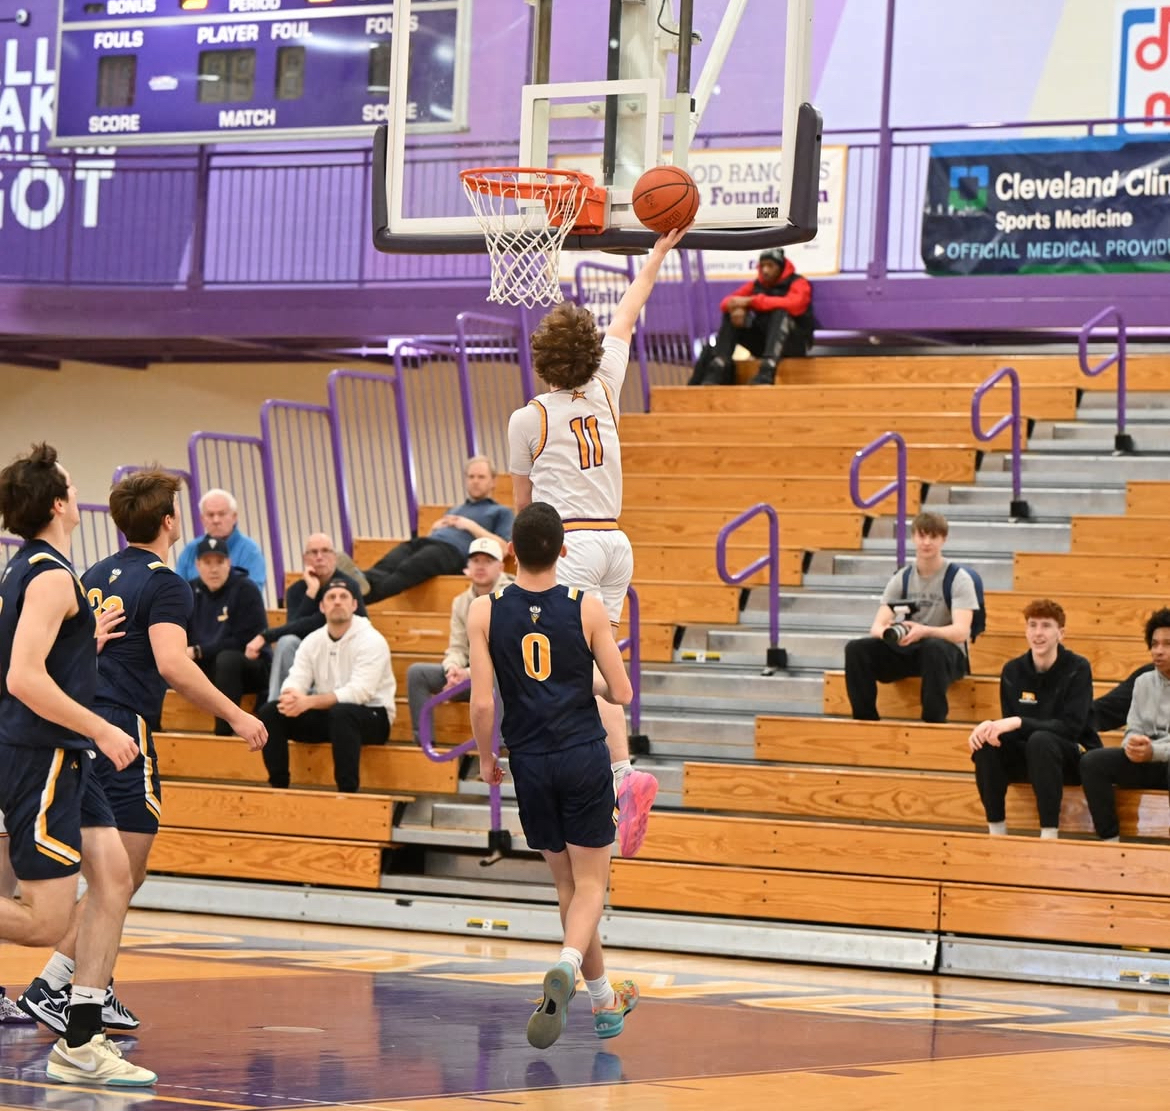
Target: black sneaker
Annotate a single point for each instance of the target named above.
(47, 1005)
(115, 1014)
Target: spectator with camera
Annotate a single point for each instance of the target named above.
(1046, 698)
(1143, 760)
(919, 628)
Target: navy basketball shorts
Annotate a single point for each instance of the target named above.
(48, 795)
(134, 793)
(565, 797)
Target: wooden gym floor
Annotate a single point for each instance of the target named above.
(241, 1014)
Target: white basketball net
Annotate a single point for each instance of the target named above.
(524, 244)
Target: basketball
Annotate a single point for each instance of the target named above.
(665, 197)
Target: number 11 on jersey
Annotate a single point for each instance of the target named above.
(588, 441)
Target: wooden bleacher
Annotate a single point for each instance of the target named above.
(1143, 372)
(973, 698)
(1039, 402)
(264, 834)
(910, 879)
(836, 822)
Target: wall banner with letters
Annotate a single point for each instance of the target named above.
(1046, 206)
(736, 177)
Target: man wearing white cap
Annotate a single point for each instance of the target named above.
(485, 569)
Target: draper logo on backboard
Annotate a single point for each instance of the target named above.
(968, 189)
(1142, 65)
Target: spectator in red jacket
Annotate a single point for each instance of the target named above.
(770, 316)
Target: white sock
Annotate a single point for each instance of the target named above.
(87, 995)
(1049, 833)
(600, 993)
(572, 956)
(1112, 840)
(997, 829)
(58, 973)
(619, 769)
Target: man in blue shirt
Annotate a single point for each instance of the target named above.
(444, 551)
(220, 514)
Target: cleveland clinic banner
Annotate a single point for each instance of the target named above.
(1047, 206)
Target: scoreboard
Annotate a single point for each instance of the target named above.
(149, 72)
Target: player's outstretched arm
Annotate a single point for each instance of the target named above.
(625, 316)
(599, 635)
(483, 678)
(48, 600)
(168, 642)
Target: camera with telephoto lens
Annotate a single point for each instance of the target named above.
(903, 611)
(894, 634)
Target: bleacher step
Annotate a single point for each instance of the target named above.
(982, 536)
(486, 889)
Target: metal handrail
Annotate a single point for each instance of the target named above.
(639, 743)
(344, 483)
(499, 839)
(639, 338)
(898, 486)
(777, 657)
(461, 343)
(1019, 507)
(1121, 441)
(276, 524)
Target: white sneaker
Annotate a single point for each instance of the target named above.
(99, 1061)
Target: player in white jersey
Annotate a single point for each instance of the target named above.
(564, 450)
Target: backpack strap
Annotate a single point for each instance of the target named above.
(906, 580)
(948, 582)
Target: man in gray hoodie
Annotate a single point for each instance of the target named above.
(1143, 760)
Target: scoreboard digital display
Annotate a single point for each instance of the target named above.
(149, 72)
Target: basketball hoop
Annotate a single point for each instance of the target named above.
(526, 215)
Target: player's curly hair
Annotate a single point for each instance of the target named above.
(566, 347)
(28, 488)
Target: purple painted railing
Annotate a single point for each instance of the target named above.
(371, 453)
(95, 537)
(299, 475)
(897, 486)
(428, 411)
(776, 656)
(8, 548)
(1121, 441)
(1019, 507)
(227, 461)
(499, 839)
(493, 353)
(639, 743)
(599, 287)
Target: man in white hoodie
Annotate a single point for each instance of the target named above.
(340, 690)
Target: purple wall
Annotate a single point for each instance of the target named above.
(173, 239)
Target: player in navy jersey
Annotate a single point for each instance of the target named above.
(539, 642)
(53, 805)
(144, 655)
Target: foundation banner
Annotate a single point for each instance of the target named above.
(1048, 206)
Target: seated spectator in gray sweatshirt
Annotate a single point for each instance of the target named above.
(1143, 760)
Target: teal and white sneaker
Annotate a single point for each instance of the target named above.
(548, 1020)
(608, 1022)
